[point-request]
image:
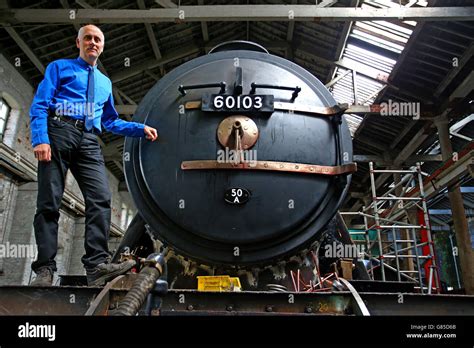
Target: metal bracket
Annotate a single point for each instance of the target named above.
(182, 89)
(361, 307)
(295, 90)
(238, 84)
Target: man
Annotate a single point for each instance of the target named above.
(70, 107)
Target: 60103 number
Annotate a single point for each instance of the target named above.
(237, 102)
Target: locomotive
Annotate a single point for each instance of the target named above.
(252, 163)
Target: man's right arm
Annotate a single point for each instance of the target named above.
(39, 112)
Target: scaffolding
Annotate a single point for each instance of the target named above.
(404, 248)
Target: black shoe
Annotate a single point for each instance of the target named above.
(104, 272)
(44, 277)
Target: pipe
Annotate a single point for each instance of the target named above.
(142, 286)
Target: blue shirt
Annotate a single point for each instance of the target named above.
(64, 91)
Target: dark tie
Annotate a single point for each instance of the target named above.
(90, 101)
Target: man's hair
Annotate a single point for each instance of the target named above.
(81, 30)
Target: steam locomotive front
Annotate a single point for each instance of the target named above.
(253, 158)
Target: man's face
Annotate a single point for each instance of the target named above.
(90, 42)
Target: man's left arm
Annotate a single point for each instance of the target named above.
(112, 123)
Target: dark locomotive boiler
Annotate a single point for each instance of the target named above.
(253, 159)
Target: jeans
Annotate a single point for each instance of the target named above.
(80, 152)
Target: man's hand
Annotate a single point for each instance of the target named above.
(151, 133)
(42, 152)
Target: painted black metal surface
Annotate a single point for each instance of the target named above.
(186, 209)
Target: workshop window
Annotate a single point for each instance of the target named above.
(4, 113)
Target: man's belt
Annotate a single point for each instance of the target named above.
(79, 124)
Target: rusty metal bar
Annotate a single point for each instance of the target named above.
(26, 300)
(272, 166)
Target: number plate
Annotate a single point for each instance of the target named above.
(237, 195)
(237, 103)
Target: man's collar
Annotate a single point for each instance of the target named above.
(83, 63)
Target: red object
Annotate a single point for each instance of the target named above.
(426, 252)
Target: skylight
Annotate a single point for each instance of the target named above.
(369, 50)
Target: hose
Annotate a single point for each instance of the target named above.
(276, 288)
(135, 298)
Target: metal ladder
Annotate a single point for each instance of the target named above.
(398, 241)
